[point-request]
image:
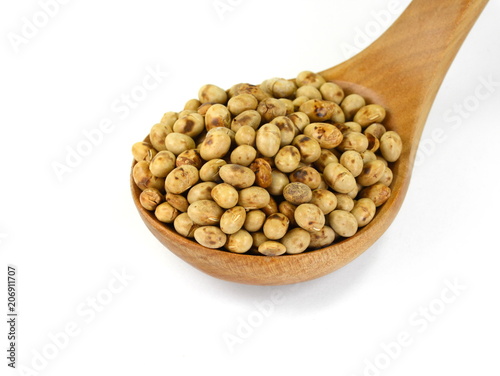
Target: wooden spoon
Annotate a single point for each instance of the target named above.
(401, 71)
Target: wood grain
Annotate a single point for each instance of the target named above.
(402, 71)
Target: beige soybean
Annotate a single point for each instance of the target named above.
(270, 108)
(344, 202)
(201, 191)
(387, 177)
(215, 146)
(373, 142)
(368, 156)
(168, 119)
(157, 135)
(297, 193)
(283, 88)
(324, 199)
(287, 129)
(241, 102)
(189, 157)
(205, 212)
(258, 238)
(351, 104)
(375, 129)
(326, 157)
(180, 179)
(245, 88)
(202, 110)
(339, 178)
(254, 220)
(233, 220)
(237, 176)
(184, 225)
(275, 226)
(309, 148)
(253, 198)
(391, 146)
(192, 104)
(166, 213)
(327, 135)
(309, 78)
(287, 159)
(309, 217)
(371, 173)
(343, 223)
(364, 210)
(243, 155)
(300, 120)
(309, 92)
(191, 125)
(320, 110)
(332, 92)
(271, 248)
(250, 118)
(213, 94)
(288, 209)
(178, 142)
(296, 241)
(150, 198)
(278, 182)
(288, 105)
(353, 161)
(239, 242)
(225, 195)
(271, 207)
(210, 236)
(307, 175)
(353, 141)
(245, 135)
(162, 163)
(299, 101)
(352, 126)
(177, 201)
(263, 172)
(210, 170)
(369, 114)
(217, 116)
(322, 238)
(144, 178)
(378, 193)
(143, 151)
(268, 140)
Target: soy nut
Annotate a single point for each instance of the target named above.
(150, 198)
(339, 178)
(253, 198)
(364, 210)
(296, 241)
(243, 155)
(191, 125)
(232, 220)
(297, 193)
(307, 175)
(287, 159)
(271, 248)
(353, 161)
(254, 220)
(184, 225)
(270, 108)
(178, 142)
(217, 116)
(162, 164)
(210, 236)
(210, 170)
(327, 135)
(371, 113)
(324, 199)
(378, 193)
(391, 146)
(343, 223)
(276, 226)
(239, 242)
(215, 146)
(143, 151)
(241, 102)
(268, 140)
(180, 179)
(212, 93)
(157, 135)
(318, 110)
(322, 238)
(166, 213)
(309, 217)
(225, 195)
(371, 173)
(205, 212)
(263, 172)
(237, 176)
(144, 178)
(309, 148)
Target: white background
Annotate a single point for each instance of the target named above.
(69, 238)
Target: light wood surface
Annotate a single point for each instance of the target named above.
(401, 71)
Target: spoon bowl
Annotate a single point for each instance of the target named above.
(402, 71)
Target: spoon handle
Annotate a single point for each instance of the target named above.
(409, 61)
